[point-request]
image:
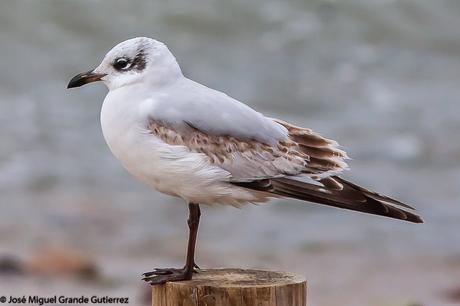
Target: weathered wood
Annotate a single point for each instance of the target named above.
(233, 287)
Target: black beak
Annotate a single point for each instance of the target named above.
(85, 78)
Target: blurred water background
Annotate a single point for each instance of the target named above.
(380, 76)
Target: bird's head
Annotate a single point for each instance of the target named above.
(136, 60)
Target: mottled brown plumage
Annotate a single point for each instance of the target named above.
(303, 152)
(303, 166)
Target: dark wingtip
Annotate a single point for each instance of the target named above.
(418, 220)
(412, 217)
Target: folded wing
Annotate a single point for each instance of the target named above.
(304, 166)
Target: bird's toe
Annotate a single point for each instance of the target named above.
(161, 276)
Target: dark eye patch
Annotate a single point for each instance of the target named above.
(121, 63)
(138, 63)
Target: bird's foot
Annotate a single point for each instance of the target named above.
(163, 275)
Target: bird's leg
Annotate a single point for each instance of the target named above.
(160, 276)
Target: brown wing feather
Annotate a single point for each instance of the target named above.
(303, 152)
(245, 159)
(325, 156)
(337, 192)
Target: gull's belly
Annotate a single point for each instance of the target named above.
(171, 169)
(168, 169)
(141, 158)
(141, 153)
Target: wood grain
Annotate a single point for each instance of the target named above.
(233, 287)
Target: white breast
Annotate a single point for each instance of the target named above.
(173, 170)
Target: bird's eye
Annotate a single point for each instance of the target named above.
(121, 63)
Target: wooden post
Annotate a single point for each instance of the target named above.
(233, 287)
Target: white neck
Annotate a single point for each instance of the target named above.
(164, 71)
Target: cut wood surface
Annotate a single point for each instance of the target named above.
(233, 287)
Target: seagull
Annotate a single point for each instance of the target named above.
(198, 144)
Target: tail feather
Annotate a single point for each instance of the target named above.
(337, 192)
(374, 195)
